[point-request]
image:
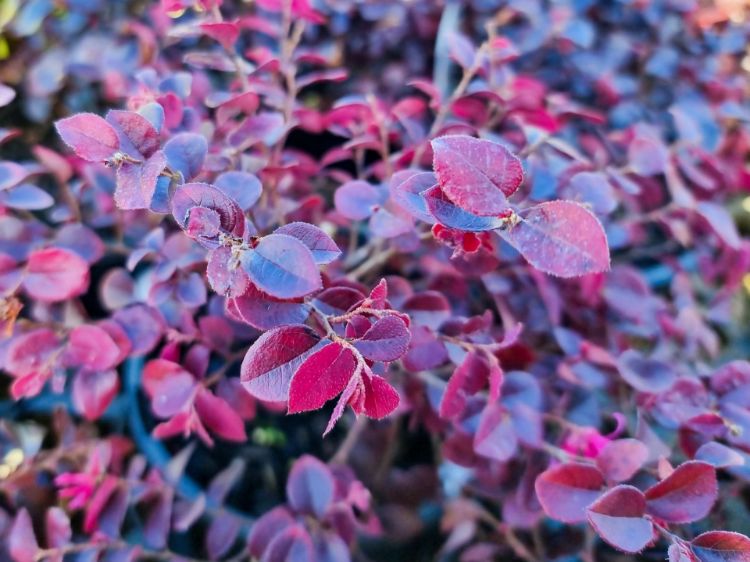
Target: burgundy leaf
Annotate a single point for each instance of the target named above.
(686, 495)
(477, 175)
(265, 312)
(618, 518)
(89, 135)
(566, 490)
(219, 417)
(273, 359)
(561, 238)
(387, 340)
(721, 546)
(282, 266)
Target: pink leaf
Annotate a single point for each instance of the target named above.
(89, 135)
(496, 436)
(273, 359)
(91, 347)
(22, 544)
(477, 175)
(561, 238)
(387, 340)
(137, 136)
(618, 518)
(93, 392)
(621, 459)
(219, 417)
(225, 275)
(686, 495)
(322, 376)
(55, 274)
(566, 490)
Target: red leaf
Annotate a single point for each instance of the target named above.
(219, 417)
(381, 399)
(477, 175)
(621, 459)
(322, 376)
(618, 518)
(561, 238)
(55, 274)
(566, 490)
(721, 546)
(686, 495)
(273, 359)
(89, 135)
(93, 392)
(387, 340)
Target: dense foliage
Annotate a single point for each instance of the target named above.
(332, 280)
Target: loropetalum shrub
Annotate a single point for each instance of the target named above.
(354, 211)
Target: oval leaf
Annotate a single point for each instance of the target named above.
(566, 490)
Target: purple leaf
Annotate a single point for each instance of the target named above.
(90, 136)
(282, 266)
(477, 175)
(718, 455)
(225, 275)
(357, 199)
(242, 187)
(291, 545)
(200, 198)
(450, 215)
(406, 189)
(721, 222)
(310, 487)
(22, 544)
(387, 340)
(185, 154)
(560, 238)
(273, 359)
(646, 374)
(496, 437)
(686, 495)
(324, 249)
(26, 197)
(266, 528)
(221, 535)
(566, 490)
(618, 518)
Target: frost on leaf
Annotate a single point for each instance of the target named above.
(561, 238)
